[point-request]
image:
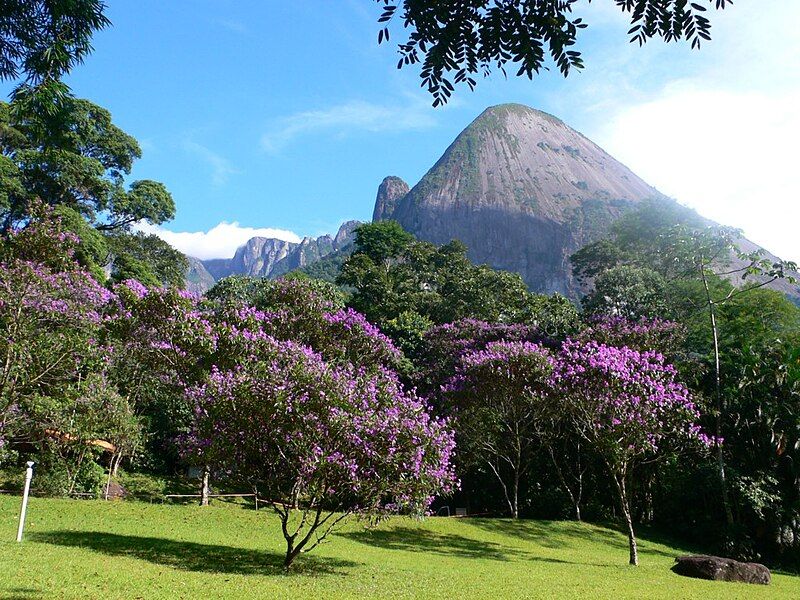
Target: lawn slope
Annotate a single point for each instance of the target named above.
(95, 549)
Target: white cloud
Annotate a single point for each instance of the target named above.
(730, 155)
(716, 129)
(355, 115)
(221, 168)
(221, 241)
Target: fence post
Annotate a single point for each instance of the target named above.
(28, 477)
(204, 488)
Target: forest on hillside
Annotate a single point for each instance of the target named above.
(400, 378)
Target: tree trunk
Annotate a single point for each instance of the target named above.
(115, 464)
(576, 496)
(73, 478)
(205, 490)
(719, 405)
(294, 547)
(622, 496)
(502, 485)
(291, 554)
(110, 473)
(634, 552)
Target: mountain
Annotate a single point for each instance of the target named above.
(523, 191)
(198, 279)
(518, 186)
(267, 257)
(390, 191)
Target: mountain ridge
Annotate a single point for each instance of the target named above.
(267, 257)
(523, 191)
(518, 186)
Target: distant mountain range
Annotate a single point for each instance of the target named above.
(518, 186)
(267, 257)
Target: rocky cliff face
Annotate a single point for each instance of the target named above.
(390, 191)
(267, 257)
(523, 191)
(520, 188)
(198, 279)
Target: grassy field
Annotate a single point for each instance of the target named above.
(94, 549)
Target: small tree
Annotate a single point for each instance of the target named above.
(76, 425)
(629, 408)
(498, 402)
(321, 442)
(706, 255)
(629, 292)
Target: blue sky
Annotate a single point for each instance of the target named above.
(287, 115)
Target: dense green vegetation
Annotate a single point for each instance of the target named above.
(164, 377)
(80, 549)
(670, 398)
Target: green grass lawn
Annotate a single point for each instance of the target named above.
(95, 549)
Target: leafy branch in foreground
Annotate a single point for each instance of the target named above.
(455, 40)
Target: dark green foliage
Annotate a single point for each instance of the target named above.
(266, 294)
(75, 156)
(328, 267)
(628, 292)
(146, 258)
(382, 241)
(67, 425)
(455, 40)
(554, 316)
(439, 284)
(44, 39)
(639, 238)
(408, 329)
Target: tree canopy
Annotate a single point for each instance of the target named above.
(44, 39)
(393, 274)
(456, 40)
(74, 159)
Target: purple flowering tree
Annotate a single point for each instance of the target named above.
(498, 401)
(663, 336)
(320, 441)
(51, 317)
(308, 312)
(630, 409)
(444, 346)
(168, 341)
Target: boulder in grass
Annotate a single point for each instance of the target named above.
(721, 569)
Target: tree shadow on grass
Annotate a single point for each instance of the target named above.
(21, 593)
(422, 540)
(191, 556)
(562, 534)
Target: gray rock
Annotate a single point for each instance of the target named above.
(391, 190)
(198, 279)
(523, 191)
(721, 569)
(267, 257)
(345, 236)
